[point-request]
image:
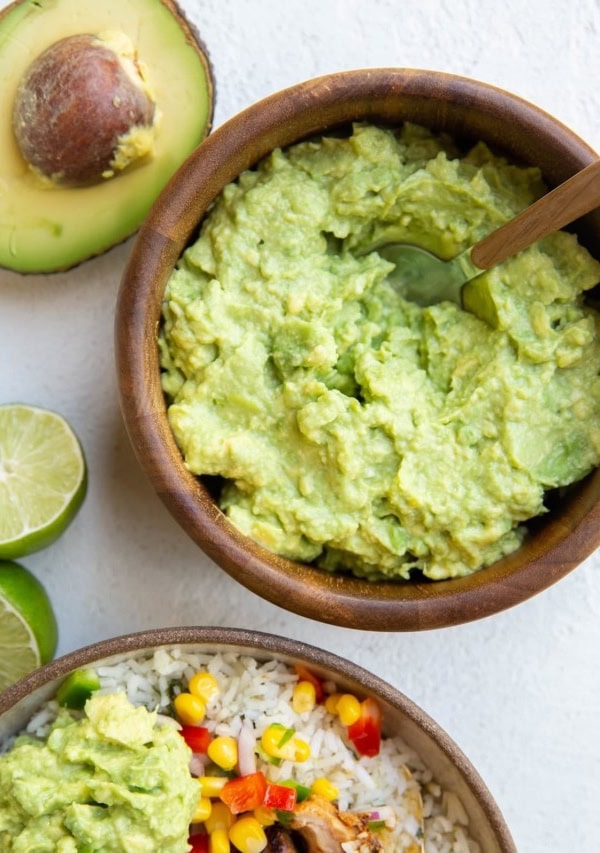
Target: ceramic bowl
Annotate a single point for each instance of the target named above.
(401, 716)
(466, 109)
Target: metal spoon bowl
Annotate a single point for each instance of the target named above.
(422, 277)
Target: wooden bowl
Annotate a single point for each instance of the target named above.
(464, 108)
(401, 716)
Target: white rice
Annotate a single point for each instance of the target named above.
(261, 692)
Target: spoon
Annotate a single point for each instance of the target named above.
(422, 277)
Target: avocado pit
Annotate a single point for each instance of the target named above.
(83, 111)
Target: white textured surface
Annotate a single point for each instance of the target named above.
(519, 692)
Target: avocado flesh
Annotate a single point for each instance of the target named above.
(48, 228)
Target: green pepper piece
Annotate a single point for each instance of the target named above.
(77, 688)
(302, 791)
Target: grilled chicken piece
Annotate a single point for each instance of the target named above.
(279, 840)
(325, 829)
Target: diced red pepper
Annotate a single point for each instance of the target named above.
(280, 797)
(365, 733)
(200, 843)
(196, 737)
(305, 674)
(244, 793)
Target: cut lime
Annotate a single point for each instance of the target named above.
(42, 478)
(28, 632)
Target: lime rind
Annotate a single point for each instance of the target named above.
(43, 478)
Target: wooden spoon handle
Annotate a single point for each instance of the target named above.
(553, 211)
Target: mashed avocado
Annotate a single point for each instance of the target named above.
(356, 429)
(112, 780)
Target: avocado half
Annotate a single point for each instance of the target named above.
(45, 227)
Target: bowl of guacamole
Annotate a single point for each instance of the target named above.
(340, 450)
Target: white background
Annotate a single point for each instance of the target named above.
(520, 691)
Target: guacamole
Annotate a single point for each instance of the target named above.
(112, 780)
(353, 428)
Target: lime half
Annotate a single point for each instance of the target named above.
(28, 632)
(42, 478)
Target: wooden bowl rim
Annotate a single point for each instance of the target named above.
(265, 644)
(303, 589)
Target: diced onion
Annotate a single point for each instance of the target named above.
(197, 766)
(246, 747)
(384, 813)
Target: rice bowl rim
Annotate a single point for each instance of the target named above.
(20, 701)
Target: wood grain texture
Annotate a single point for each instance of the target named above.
(401, 716)
(467, 110)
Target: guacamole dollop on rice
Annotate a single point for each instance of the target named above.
(352, 427)
(111, 780)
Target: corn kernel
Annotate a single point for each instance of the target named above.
(219, 841)
(279, 742)
(301, 750)
(324, 788)
(203, 685)
(348, 709)
(248, 835)
(224, 752)
(331, 702)
(265, 816)
(271, 741)
(220, 818)
(189, 709)
(211, 786)
(304, 697)
(203, 810)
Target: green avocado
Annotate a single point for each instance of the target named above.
(46, 226)
(112, 779)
